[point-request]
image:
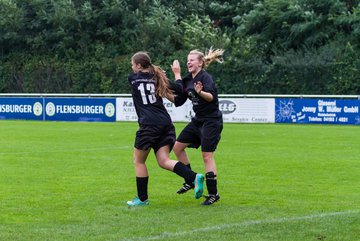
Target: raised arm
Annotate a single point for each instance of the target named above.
(175, 67)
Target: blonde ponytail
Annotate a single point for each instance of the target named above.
(210, 56)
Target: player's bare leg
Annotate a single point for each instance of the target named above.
(142, 178)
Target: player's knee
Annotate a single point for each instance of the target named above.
(136, 161)
(163, 162)
(208, 157)
(177, 149)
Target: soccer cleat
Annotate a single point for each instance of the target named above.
(137, 202)
(186, 187)
(211, 198)
(199, 185)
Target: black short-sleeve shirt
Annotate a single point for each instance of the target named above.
(201, 107)
(149, 107)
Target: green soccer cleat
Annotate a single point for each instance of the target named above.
(136, 202)
(199, 185)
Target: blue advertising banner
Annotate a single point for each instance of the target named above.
(21, 108)
(322, 111)
(80, 109)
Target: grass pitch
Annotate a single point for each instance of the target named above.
(70, 181)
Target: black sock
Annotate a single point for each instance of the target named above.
(189, 166)
(184, 172)
(142, 186)
(211, 183)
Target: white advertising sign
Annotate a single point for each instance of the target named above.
(126, 110)
(181, 113)
(236, 110)
(247, 110)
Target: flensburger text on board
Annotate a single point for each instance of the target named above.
(80, 109)
(15, 108)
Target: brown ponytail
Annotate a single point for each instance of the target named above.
(161, 81)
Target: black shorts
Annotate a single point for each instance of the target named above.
(204, 133)
(155, 136)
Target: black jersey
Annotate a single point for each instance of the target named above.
(149, 107)
(201, 107)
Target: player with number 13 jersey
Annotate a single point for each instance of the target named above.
(149, 85)
(149, 107)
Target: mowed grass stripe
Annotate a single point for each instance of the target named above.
(68, 150)
(70, 181)
(189, 233)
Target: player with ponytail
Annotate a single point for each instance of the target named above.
(148, 85)
(205, 128)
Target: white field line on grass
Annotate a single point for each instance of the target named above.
(65, 150)
(242, 224)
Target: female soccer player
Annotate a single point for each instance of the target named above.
(148, 85)
(205, 128)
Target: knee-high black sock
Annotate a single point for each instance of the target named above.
(189, 166)
(142, 187)
(211, 183)
(184, 172)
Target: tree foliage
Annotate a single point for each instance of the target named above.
(272, 46)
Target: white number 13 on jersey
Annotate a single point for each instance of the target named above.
(147, 93)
